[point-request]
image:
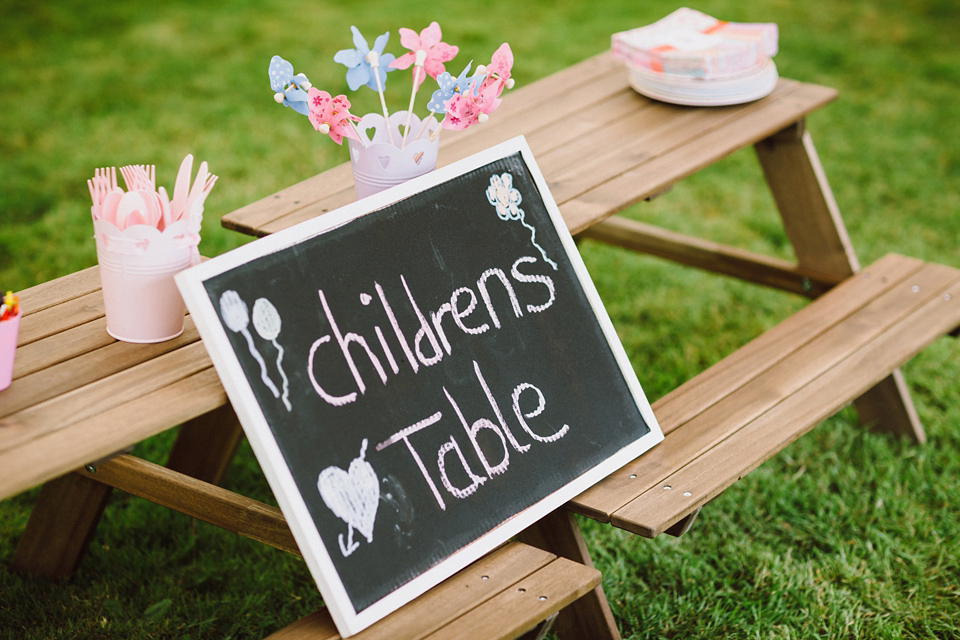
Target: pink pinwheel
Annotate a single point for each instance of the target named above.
(498, 71)
(331, 116)
(470, 107)
(428, 41)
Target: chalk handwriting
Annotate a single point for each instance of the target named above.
(436, 332)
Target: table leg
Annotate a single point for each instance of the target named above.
(588, 618)
(61, 526)
(206, 445)
(813, 223)
(68, 509)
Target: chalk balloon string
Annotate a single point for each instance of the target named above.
(235, 314)
(266, 320)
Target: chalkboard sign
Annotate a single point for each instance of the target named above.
(422, 374)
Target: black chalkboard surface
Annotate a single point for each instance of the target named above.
(422, 374)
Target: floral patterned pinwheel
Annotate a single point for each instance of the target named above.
(428, 41)
(359, 70)
(449, 87)
(289, 90)
(498, 71)
(469, 108)
(332, 116)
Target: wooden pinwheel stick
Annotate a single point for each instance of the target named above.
(417, 71)
(373, 58)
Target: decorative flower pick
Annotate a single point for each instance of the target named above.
(498, 71)
(427, 54)
(465, 100)
(291, 90)
(449, 87)
(331, 116)
(472, 106)
(366, 66)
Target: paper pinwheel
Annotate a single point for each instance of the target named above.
(290, 90)
(449, 87)
(471, 107)
(498, 71)
(331, 116)
(428, 41)
(357, 61)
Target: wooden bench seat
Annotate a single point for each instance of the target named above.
(737, 414)
(500, 596)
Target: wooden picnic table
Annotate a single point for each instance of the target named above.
(602, 147)
(79, 397)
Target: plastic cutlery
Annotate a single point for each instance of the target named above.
(181, 187)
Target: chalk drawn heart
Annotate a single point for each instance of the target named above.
(365, 299)
(353, 496)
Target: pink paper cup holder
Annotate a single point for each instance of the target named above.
(9, 329)
(137, 266)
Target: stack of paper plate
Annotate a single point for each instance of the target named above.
(737, 88)
(694, 59)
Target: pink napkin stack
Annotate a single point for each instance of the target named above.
(691, 58)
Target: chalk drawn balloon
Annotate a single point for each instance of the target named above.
(234, 312)
(266, 320)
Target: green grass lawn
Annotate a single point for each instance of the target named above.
(845, 534)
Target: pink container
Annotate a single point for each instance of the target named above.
(9, 330)
(377, 164)
(140, 297)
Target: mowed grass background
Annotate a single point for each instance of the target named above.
(845, 534)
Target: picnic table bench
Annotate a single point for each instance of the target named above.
(79, 397)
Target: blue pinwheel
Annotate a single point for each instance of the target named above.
(450, 86)
(290, 90)
(357, 61)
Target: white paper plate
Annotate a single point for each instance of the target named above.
(698, 92)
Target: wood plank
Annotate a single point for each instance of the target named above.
(47, 294)
(196, 498)
(678, 126)
(519, 609)
(767, 117)
(763, 377)
(61, 346)
(105, 393)
(71, 313)
(705, 477)
(37, 459)
(89, 354)
(589, 616)
(778, 342)
(440, 606)
(710, 256)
